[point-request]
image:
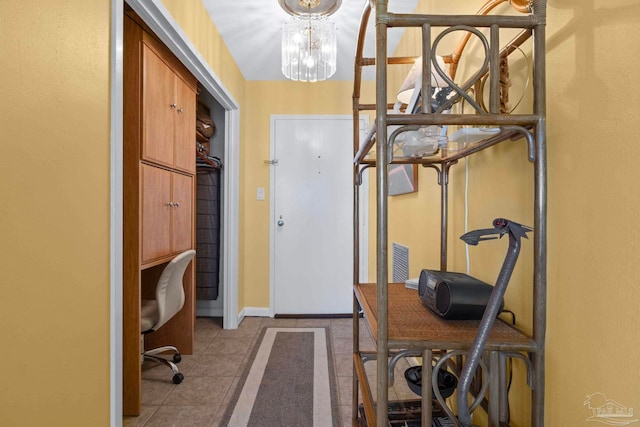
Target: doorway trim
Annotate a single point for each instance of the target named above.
(363, 208)
(156, 16)
(116, 213)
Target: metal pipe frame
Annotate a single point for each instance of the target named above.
(531, 126)
(461, 90)
(444, 220)
(382, 191)
(433, 379)
(356, 350)
(427, 392)
(463, 119)
(478, 21)
(357, 179)
(540, 214)
(504, 395)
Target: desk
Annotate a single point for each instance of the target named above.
(177, 332)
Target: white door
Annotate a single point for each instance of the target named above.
(312, 214)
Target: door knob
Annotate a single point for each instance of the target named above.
(280, 223)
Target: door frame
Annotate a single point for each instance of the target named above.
(363, 208)
(156, 16)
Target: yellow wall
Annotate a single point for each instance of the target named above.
(54, 215)
(593, 334)
(265, 98)
(54, 219)
(594, 241)
(54, 181)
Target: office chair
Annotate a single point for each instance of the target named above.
(169, 301)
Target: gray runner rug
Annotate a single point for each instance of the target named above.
(289, 381)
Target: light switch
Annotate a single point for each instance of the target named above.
(260, 193)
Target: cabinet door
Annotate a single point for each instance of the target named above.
(156, 212)
(185, 127)
(158, 108)
(182, 219)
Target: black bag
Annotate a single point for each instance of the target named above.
(447, 382)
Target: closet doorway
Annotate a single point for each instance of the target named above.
(312, 214)
(226, 114)
(210, 179)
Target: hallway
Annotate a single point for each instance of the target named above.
(212, 372)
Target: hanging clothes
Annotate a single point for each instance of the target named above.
(208, 176)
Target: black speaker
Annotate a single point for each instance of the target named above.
(454, 295)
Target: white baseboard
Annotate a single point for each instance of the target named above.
(240, 316)
(253, 312)
(257, 312)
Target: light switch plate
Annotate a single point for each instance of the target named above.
(260, 193)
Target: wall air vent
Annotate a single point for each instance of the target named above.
(400, 259)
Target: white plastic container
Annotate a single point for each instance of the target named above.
(423, 142)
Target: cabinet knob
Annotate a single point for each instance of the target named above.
(170, 204)
(176, 204)
(180, 110)
(173, 105)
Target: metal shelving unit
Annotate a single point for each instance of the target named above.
(400, 324)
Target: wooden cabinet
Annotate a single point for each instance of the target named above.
(182, 221)
(185, 127)
(158, 192)
(167, 213)
(158, 97)
(168, 113)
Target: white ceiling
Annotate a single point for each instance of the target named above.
(251, 31)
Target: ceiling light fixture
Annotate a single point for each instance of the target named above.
(309, 46)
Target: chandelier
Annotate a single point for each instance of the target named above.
(309, 40)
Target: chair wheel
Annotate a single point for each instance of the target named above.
(177, 378)
(177, 358)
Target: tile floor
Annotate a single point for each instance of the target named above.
(212, 372)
